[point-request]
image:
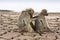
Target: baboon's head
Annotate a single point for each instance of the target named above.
(44, 12)
(30, 11)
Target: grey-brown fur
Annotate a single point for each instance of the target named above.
(24, 22)
(40, 22)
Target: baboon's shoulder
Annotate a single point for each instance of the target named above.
(24, 14)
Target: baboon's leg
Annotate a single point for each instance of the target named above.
(29, 28)
(33, 25)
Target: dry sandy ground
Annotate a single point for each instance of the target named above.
(6, 34)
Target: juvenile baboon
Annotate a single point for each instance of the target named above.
(40, 22)
(25, 20)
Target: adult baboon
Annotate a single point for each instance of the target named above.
(31, 12)
(40, 22)
(24, 21)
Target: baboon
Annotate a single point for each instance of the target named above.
(31, 12)
(40, 23)
(25, 20)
